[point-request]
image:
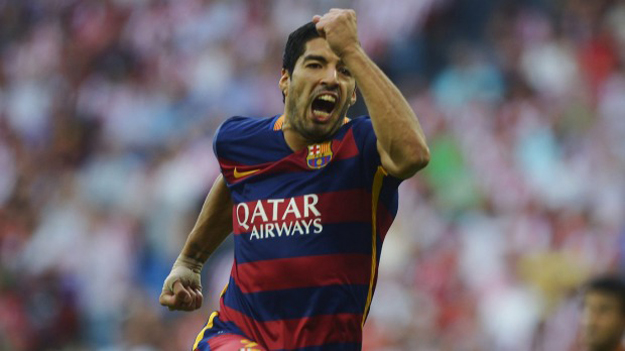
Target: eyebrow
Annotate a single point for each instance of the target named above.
(315, 58)
(320, 59)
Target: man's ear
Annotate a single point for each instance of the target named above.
(284, 81)
(352, 101)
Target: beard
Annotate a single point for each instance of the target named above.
(310, 130)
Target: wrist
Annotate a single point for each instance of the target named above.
(189, 262)
(351, 51)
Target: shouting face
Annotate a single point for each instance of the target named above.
(317, 93)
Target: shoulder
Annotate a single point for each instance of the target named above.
(360, 123)
(361, 127)
(240, 135)
(239, 129)
(244, 127)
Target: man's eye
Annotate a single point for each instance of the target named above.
(314, 65)
(345, 71)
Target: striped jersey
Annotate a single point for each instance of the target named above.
(308, 230)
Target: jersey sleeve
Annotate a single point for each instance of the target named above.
(223, 138)
(231, 144)
(367, 146)
(236, 145)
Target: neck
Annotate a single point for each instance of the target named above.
(293, 139)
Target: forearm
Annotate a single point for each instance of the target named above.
(213, 225)
(397, 129)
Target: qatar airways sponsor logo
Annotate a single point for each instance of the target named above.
(273, 218)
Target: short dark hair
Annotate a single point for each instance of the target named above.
(608, 284)
(296, 45)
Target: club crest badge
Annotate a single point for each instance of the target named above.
(319, 155)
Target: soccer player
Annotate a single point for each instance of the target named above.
(309, 196)
(603, 314)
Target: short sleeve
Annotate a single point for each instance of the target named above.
(367, 145)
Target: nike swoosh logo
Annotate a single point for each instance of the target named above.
(238, 174)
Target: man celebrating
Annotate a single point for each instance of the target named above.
(603, 315)
(309, 196)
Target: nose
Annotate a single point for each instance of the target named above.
(330, 77)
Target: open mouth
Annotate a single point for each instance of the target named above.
(323, 106)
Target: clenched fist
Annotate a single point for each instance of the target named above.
(339, 28)
(182, 289)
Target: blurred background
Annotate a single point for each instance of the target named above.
(108, 108)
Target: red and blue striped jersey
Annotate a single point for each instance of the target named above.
(308, 231)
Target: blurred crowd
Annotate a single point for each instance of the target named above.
(107, 111)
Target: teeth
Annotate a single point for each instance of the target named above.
(321, 113)
(327, 98)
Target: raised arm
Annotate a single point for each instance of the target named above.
(401, 142)
(182, 289)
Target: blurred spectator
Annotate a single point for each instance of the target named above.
(602, 322)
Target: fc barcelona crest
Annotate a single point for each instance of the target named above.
(319, 155)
